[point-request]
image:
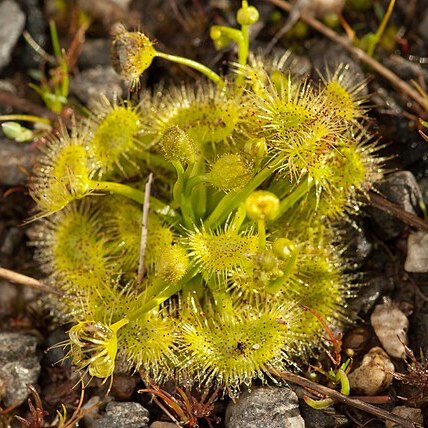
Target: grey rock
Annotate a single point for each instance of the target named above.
(12, 21)
(19, 366)
(267, 408)
(91, 83)
(358, 247)
(417, 253)
(95, 53)
(56, 353)
(124, 4)
(404, 68)
(327, 418)
(123, 415)
(402, 189)
(14, 158)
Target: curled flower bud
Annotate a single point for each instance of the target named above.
(220, 39)
(284, 248)
(247, 15)
(262, 205)
(131, 54)
(94, 346)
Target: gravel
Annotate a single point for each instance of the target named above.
(267, 408)
(19, 366)
(123, 415)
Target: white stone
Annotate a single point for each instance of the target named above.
(390, 326)
(373, 375)
(417, 253)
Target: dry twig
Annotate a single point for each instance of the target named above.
(340, 398)
(359, 53)
(143, 244)
(393, 209)
(18, 278)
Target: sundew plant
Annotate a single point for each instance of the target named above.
(206, 274)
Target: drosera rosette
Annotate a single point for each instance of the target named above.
(251, 172)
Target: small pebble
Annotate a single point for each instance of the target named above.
(374, 374)
(390, 325)
(19, 366)
(417, 253)
(122, 415)
(267, 408)
(410, 413)
(12, 21)
(90, 84)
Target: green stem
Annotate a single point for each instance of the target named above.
(261, 231)
(379, 33)
(301, 190)
(179, 184)
(238, 219)
(26, 118)
(193, 64)
(198, 194)
(287, 270)
(181, 197)
(158, 293)
(194, 181)
(127, 191)
(155, 160)
(233, 199)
